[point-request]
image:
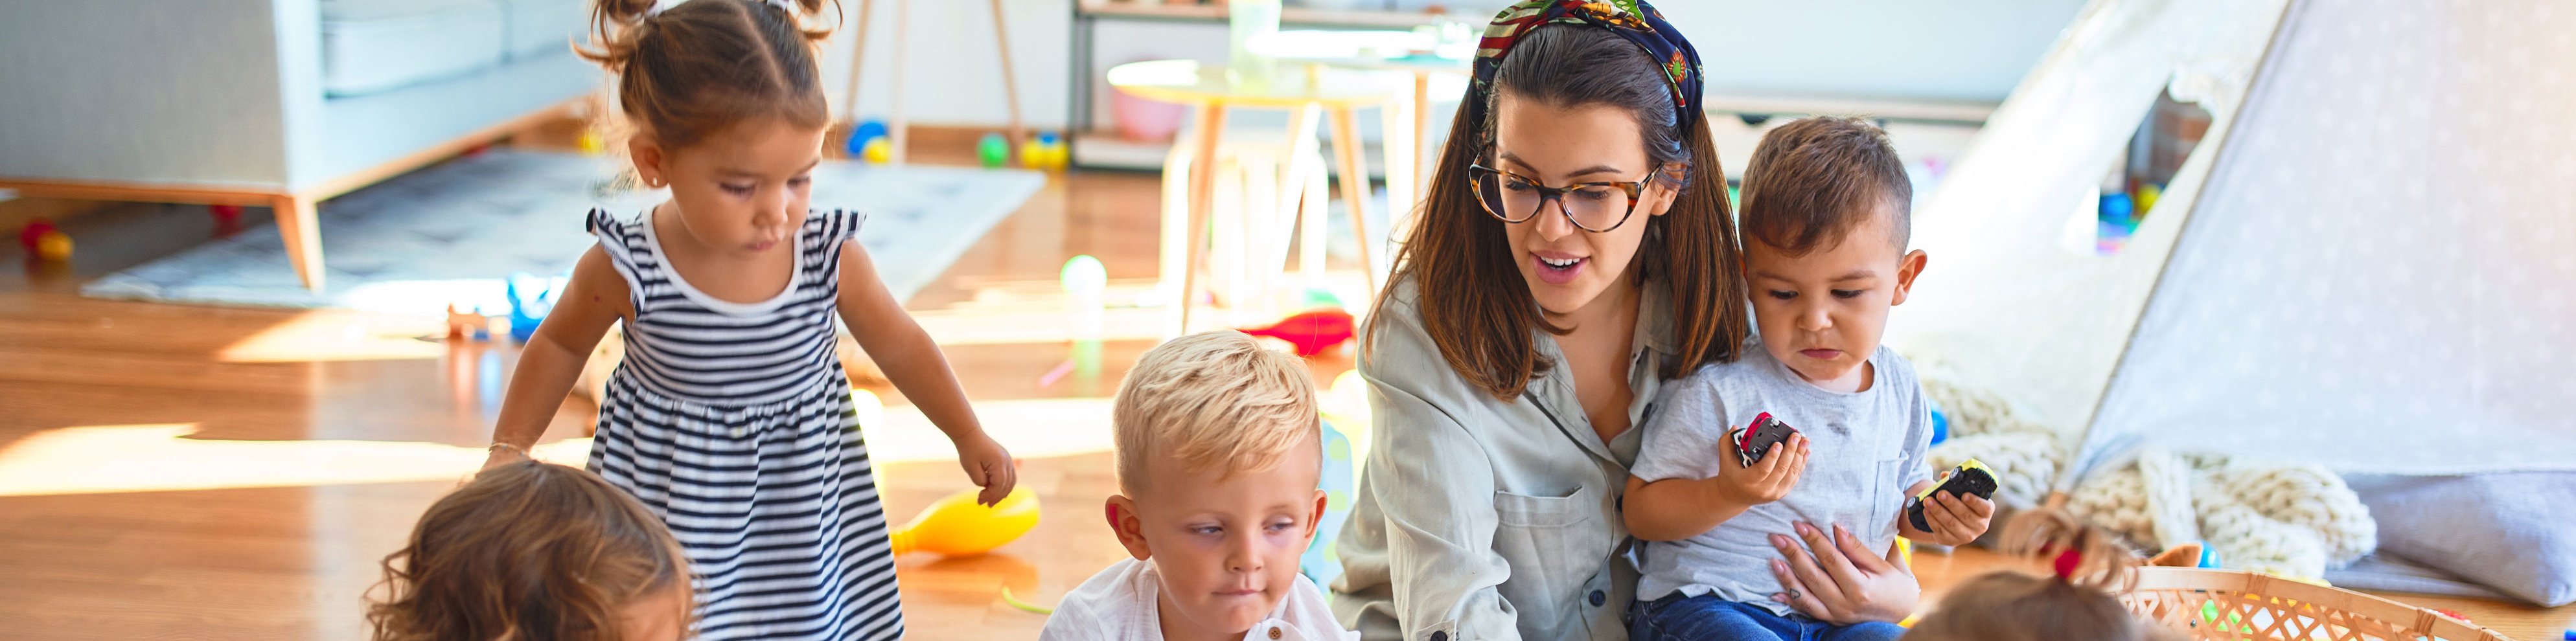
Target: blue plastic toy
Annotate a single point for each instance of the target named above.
(531, 297)
(1940, 423)
(2208, 556)
(859, 136)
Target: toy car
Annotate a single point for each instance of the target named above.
(1755, 440)
(1970, 477)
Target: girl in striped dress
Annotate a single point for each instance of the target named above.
(730, 417)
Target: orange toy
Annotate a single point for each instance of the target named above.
(956, 526)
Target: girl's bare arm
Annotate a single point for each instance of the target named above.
(553, 358)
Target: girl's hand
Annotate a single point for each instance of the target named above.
(1843, 583)
(501, 456)
(989, 466)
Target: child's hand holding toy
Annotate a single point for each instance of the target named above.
(1768, 477)
(1953, 510)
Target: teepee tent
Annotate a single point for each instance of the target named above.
(2368, 263)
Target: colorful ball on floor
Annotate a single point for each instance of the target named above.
(55, 246)
(994, 150)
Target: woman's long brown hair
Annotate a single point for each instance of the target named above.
(527, 551)
(1473, 300)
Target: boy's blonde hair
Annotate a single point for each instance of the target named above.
(1212, 399)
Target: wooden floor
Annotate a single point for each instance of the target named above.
(221, 473)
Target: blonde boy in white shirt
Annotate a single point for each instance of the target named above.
(1219, 453)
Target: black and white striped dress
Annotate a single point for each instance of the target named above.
(733, 422)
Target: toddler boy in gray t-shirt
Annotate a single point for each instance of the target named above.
(1825, 226)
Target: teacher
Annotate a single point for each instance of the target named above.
(1574, 253)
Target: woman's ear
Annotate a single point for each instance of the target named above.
(1130, 529)
(1663, 187)
(646, 154)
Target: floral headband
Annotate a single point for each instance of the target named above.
(1634, 21)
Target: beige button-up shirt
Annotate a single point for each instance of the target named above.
(1480, 518)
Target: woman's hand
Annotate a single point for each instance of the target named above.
(989, 466)
(1843, 582)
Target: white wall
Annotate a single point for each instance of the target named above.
(953, 68)
(1972, 50)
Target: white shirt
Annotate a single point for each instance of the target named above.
(1121, 603)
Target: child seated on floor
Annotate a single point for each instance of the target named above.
(1825, 218)
(1219, 452)
(532, 550)
(2074, 601)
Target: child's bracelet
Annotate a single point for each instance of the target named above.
(497, 445)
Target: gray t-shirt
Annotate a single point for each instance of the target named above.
(1867, 448)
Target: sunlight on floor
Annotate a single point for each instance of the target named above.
(159, 457)
(153, 458)
(338, 335)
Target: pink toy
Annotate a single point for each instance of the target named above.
(1311, 332)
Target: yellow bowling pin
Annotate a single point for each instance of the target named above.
(956, 526)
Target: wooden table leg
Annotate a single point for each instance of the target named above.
(1403, 163)
(1211, 129)
(297, 225)
(1293, 191)
(1355, 182)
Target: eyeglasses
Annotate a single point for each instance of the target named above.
(1595, 207)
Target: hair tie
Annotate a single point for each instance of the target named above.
(2067, 561)
(1633, 20)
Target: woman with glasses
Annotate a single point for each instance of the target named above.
(1575, 252)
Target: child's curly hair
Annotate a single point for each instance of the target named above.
(2079, 603)
(527, 551)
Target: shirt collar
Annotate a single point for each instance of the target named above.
(1654, 318)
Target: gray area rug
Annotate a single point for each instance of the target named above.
(453, 232)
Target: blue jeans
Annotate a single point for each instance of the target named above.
(1709, 618)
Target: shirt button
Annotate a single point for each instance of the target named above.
(1439, 635)
(737, 432)
(1598, 597)
(1274, 634)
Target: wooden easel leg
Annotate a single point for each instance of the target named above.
(297, 226)
(1355, 182)
(858, 62)
(1010, 81)
(898, 129)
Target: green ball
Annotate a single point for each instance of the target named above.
(994, 150)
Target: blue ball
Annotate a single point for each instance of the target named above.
(860, 135)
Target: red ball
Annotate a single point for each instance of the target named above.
(35, 231)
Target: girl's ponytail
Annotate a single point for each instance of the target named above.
(2079, 555)
(615, 26)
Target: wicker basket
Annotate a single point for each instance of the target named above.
(2230, 605)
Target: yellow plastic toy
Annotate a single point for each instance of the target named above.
(878, 151)
(54, 246)
(956, 526)
(591, 144)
